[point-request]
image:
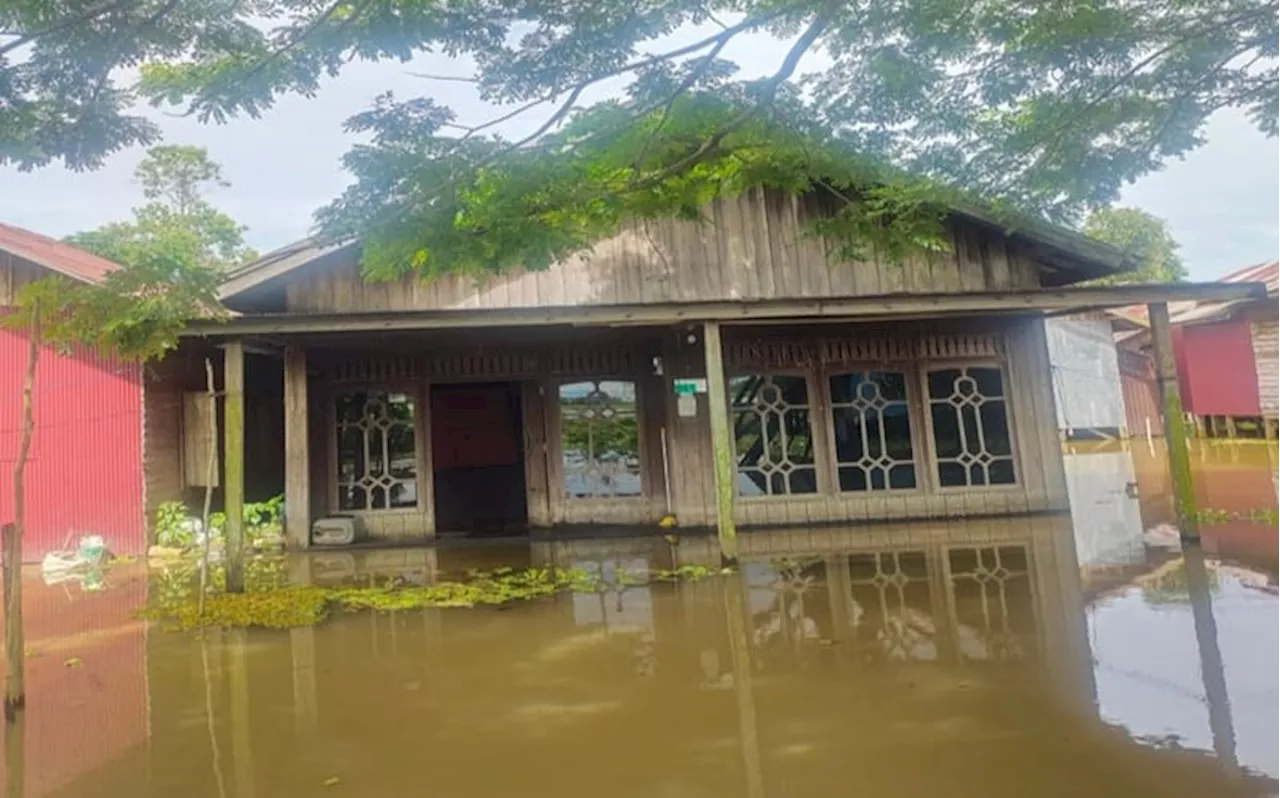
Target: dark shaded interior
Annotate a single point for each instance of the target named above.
(478, 455)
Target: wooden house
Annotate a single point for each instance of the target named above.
(1227, 355)
(84, 471)
(725, 373)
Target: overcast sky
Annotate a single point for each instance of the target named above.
(1221, 202)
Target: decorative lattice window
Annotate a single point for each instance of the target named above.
(600, 439)
(893, 605)
(871, 423)
(970, 426)
(993, 602)
(377, 451)
(773, 435)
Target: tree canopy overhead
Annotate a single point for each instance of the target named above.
(1048, 106)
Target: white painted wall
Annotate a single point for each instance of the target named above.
(1104, 516)
(1086, 377)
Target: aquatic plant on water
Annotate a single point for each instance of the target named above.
(1267, 516)
(269, 602)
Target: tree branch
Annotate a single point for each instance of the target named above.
(87, 16)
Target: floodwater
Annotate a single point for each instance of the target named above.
(1043, 656)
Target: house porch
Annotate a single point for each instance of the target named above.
(473, 432)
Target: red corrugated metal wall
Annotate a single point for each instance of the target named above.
(85, 471)
(1215, 369)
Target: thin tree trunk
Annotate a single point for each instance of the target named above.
(15, 688)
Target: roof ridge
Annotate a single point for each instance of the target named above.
(54, 255)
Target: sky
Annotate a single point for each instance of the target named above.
(1221, 202)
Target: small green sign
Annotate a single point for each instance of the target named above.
(690, 387)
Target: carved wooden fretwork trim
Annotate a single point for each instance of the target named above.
(800, 353)
(483, 363)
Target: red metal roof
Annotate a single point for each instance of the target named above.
(1268, 273)
(54, 255)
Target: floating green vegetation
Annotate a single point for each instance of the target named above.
(1267, 516)
(270, 603)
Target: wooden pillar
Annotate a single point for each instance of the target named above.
(1175, 433)
(241, 723)
(233, 463)
(736, 616)
(1231, 426)
(721, 443)
(297, 459)
(1221, 726)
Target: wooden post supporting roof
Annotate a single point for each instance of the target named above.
(233, 463)
(1175, 433)
(297, 478)
(721, 442)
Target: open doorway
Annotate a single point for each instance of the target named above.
(477, 454)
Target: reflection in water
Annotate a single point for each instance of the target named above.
(918, 659)
(974, 658)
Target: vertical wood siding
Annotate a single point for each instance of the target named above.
(754, 247)
(1086, 376)
(1266, 353)
(14, 274)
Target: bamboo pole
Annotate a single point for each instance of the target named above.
(15, 757)
(15, 646)
(721, 444)
(211, 467)
(1175, 433)
(233, 463)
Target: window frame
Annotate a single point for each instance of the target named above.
(555, 439)
(916, 407)
(823, 444)
(421, 440)
(1002, 365)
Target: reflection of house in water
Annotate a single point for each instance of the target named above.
(919, 659)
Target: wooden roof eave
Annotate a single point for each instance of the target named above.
(834, 308)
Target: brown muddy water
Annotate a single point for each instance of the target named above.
(1044, 656)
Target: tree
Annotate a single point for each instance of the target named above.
(1145, 238)
(1047, 107)
(136, 313)
(66, 91)
(177, 219)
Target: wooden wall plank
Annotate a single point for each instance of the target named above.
(297, 480)
(533, 412)
(751, 247)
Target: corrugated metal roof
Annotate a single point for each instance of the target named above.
(54, 255)
(1267, 273)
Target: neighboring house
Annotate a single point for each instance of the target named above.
(580, 394)
(1226, 354)
(84, 472)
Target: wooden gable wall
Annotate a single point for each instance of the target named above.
(751, 248)
(14, 274)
